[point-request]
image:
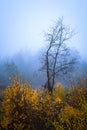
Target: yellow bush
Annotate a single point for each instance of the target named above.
(71, 118)
(24, 108)
(59, 91)
(49, 108)
(19, 100)
(76, 96)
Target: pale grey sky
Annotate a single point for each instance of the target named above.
(22, 23)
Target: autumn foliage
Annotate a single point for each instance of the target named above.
(23, 108)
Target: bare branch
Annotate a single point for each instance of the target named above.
(58, 58)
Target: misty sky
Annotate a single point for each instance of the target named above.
(23, 22)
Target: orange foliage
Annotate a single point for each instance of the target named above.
(24, 108)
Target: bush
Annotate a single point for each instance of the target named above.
(23, 108)
(71, 119)
(19, 101)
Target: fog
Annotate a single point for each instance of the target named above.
(22, 28)
(24, 65)
(27, 67)
(23, 23)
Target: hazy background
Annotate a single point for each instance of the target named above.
(22, 23)
(22, 27)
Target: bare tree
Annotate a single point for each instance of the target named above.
(57, 58)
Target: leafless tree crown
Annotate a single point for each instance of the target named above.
(57, 57)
